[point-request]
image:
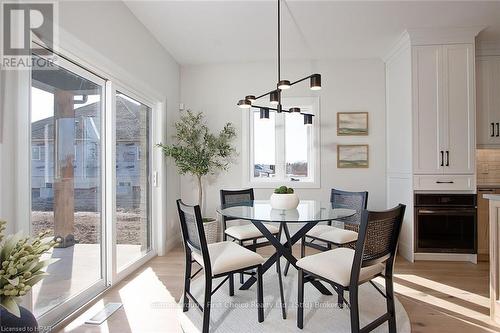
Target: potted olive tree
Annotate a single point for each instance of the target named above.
(199, 153)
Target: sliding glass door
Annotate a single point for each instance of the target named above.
(133, 223)
(67, 104)
(90, 179)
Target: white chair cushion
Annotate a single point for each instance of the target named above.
(338, 236)
(248, 230)
(229, 256)
(335, 265)
(318, 229)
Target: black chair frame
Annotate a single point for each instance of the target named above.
(189, 247)
(254, 240)
(358, 262)
(305, 243)
(308, 241)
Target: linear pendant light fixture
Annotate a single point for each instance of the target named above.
(275, 95)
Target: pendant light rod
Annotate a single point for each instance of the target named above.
(279, 42)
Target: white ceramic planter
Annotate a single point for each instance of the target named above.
(284, 201)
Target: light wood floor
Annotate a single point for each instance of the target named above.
(438, 296)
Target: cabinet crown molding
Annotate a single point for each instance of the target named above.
(399, 46)
(455, 35)
(488, 48)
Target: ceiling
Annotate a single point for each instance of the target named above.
(198, 32)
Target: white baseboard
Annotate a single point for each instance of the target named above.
(406, 252)
(171, 243)
(447, 257)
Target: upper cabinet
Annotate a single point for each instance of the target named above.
(488, 101)
(443, 109)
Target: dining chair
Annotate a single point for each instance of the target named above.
(222, 259)
(340, 237)
(243, 232)
(330, 235)
(348, 268)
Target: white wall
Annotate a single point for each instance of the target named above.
(115, 42)
(348, 85)
(122, 38)
(399, 142)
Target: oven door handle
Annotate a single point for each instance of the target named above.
(449, 212)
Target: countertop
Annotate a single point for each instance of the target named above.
(495, 197)
(483, 186)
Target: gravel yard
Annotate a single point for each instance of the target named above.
(87, 226)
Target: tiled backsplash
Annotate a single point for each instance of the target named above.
(488, 166)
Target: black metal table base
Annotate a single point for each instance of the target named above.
(283, 250)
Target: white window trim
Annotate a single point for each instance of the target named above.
(247, 149)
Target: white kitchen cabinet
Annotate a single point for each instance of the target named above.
(488, 101)
(443, 109)
(428, 114)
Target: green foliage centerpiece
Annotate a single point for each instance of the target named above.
(284, 198)
(199, 152)
(21, 267)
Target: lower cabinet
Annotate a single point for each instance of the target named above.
(483, 218)
(444, 183)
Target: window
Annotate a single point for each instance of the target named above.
(264, 158)
(35, 153)
(282, 150)
(133, 222)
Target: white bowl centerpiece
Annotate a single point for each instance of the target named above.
(284, 198)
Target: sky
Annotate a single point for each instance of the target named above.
(264, 138)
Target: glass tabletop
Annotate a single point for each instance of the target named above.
(307, 211)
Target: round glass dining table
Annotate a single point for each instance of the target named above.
(308, 213)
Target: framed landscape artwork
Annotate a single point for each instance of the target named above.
(352, 123)
(352, 156)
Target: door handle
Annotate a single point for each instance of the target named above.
(441, 182)
(442, 158)
(447, 158)
(498, 129)
(492, 130)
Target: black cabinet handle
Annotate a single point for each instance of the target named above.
(442, 158)
(447, 158)
(498, 129)
(440, 182)
(492, 130)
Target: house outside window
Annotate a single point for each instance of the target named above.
(281, 149)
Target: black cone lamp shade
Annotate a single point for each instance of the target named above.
(274, 97)
(264, 113)
(250, 98)
(316, 82)
(244, 104)
(284, 84)
(308, 119)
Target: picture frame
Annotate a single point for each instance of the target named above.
(353, 156)
(352, 123)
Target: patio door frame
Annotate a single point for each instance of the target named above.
(112, 89)
(157, 104)
(61, 310)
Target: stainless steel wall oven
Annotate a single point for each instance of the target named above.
(445, 223)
